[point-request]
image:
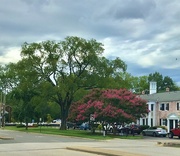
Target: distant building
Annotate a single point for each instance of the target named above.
(164, 108)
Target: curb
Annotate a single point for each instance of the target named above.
(102, 151)
(6, 138)
(169, 144)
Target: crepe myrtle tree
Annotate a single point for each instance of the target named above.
(112, 105)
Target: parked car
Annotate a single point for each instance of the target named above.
(174, 132)
(123, 130)
(57, 121)
(154, 131)
(108, 127)
(135, 129)
(70, 125)
(84, 126)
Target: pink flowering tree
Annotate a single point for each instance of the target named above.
(110, 105)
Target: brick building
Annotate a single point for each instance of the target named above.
(164, 108)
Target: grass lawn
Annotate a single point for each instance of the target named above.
(73, 133)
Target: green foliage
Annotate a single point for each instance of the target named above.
(20, 125)
(143, 127)
(52, 75)
(49, 118)
(162, 82)
(163, 127)
(100, 127)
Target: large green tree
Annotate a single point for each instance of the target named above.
(162, 82)
(70, 67)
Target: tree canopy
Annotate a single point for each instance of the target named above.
(110, 105)
(57, 74)
(163, 82)
(63, 71)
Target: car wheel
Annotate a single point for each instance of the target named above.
(164, 135)
(179, 137)
(170, 135)
(143, 133)
(154, 134)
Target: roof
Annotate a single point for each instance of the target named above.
(162, 97)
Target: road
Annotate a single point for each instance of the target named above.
(50, 145)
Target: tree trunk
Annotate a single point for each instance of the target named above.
(64, 115)
(26, 123)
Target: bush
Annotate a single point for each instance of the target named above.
(99, 127)
(143, 127)
(35, 125)
(163, 127)
(20, 125)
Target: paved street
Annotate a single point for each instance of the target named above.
(48, 145)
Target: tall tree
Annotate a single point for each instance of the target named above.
(162, 82)
(70, 67)
(169, 83)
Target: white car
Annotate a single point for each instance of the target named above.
(154, 131)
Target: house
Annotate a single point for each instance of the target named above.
(164, 108)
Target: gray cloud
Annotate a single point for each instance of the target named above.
(145, 34)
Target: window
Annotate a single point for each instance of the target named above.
(143, 121)
(163, 122)
(162, 106)
(167, 106)
(178, 108)
(152, 106)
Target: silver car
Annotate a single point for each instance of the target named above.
(154, 131)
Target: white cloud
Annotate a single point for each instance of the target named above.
(144, 34)
(11, 54)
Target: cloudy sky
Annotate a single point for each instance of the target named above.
(143, 33)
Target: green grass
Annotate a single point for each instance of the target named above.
(72, 133)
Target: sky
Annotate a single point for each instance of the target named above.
(145, 34)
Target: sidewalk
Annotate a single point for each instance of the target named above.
(104, 152)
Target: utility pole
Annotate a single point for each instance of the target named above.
(1, 106)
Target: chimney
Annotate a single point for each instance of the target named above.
(153, 87)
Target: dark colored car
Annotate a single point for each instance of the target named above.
(70, 125)
(135, 129)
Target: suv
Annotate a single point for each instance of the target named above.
(174, 132)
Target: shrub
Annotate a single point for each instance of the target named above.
(143, 127)
(20, 125)
(99, 127)
(35, 125)
(163, 127)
